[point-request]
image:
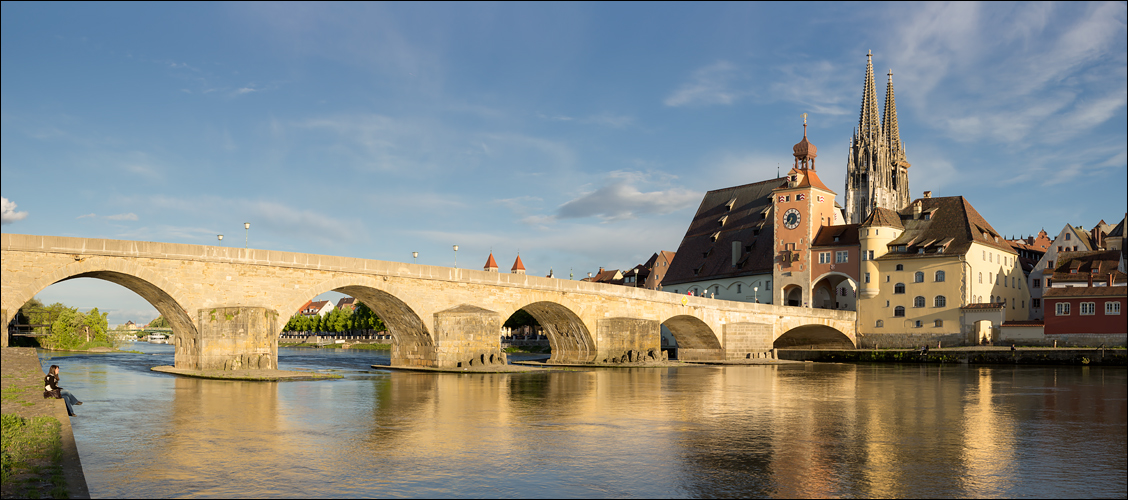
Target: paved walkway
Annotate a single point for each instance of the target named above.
(21, 372)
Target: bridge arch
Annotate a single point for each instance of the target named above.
(824, 291)
(152, 287)
(813, 337)
(568, 336)
(410, 336)
(696, 340)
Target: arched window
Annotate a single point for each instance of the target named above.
(880, 323)
(899, 288)
(940, 301)
(918, 277)
(939, 275)
(918, 301)
(992, 299)
(981, 277)
(899, 311)
(900, 267)
(938, 323)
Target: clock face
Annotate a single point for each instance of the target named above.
(791, 218)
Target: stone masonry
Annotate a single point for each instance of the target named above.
(437, 316)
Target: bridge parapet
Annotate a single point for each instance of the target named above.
(438, 316)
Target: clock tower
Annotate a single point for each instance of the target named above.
(801, 206)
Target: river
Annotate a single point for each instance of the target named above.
(803, 430)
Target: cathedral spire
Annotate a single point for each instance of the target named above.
(889, 124)
(868, 125)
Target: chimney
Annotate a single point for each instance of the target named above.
(600, 269)
(916, 210)
(1090, 280)
(928, 194)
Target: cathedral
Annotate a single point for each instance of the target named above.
(877, 173)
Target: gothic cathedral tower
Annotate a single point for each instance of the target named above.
(877, 173)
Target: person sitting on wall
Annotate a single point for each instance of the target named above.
(51, 389)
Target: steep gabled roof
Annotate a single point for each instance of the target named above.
(1119, 229)
(883, 217)
(491, 264)
(706, 249)
(836, 236)
(517, 264)
(951, 222)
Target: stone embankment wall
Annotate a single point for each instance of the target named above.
(1000, 356)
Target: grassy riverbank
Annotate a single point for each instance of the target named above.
(32, 457)
(39, 457)
(528, 350)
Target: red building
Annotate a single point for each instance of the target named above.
(1089, 295)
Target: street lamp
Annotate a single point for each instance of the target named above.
(220, 236)
(456, 256)
(756, 292)
(247, 226)
(571, 275)
(415, 255)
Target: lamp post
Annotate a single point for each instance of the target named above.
(415, 255)
(756, 292)
(571, 275)
(220, 236)
(456, 256)
(247, 243)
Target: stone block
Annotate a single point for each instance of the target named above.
(230, 338)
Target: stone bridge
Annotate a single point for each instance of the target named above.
(227, 306)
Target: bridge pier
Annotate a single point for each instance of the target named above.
(467, 336)
(230, 338)
(617, 336)
(748, 340)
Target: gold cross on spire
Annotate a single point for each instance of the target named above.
(804, 115)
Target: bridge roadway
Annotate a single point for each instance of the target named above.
(228, 306)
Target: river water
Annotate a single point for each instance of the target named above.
(804, 430)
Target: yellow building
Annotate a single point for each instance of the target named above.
(935, 271)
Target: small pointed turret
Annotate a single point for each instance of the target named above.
(491, 264)
(518, 266)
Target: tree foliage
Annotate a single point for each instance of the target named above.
(160, 322)
(69, 328)
(521, 318)
(338, 321)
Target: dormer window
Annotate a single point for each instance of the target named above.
(722, 220)
(714, 236)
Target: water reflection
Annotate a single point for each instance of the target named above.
(810, 430)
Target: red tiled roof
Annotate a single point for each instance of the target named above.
(952, 220)
(490, 263)
(846, 234)
(517, 264)
(883, 217)
(701, 257)
(1086, 291)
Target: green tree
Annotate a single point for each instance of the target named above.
(521, 318)
(160, 322)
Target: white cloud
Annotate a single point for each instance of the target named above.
(126, 216)
(621, 199)
(708, 85)
(1020, 74)
(90, 215)
(10, 214)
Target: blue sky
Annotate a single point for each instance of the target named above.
(581, 135)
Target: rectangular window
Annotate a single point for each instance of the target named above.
(841, 256)
(824, 257)
(867, 277)
(870, 254)
(1112, 308)
(1036, 303)
(1088, 308)
(1061, 309)
(1036, 283)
